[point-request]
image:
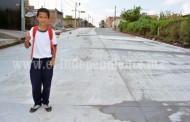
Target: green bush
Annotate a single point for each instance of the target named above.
(122, 26)
(185, 32)
(170, 30)
(145, 26)
(154, 28)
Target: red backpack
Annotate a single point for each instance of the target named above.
(50, 32)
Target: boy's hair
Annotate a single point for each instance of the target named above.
(43, 10)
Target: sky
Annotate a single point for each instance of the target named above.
(97, 10)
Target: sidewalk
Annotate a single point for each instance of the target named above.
(11, 37)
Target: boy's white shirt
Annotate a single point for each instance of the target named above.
(42, 47)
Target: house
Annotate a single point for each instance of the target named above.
(27, 6)
(55, 18)
(54, 22)
(112, 21)
(109, 21)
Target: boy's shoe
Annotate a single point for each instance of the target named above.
(47, 107)
(34, 108)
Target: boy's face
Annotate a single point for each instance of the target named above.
(43, 18)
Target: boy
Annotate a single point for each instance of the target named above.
(43, 60)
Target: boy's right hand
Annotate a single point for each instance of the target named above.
(27, 39)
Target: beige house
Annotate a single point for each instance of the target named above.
(110, 22)
(55, 18)
(115, 23)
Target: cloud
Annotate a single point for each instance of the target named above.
(186, 8)
(172, 2)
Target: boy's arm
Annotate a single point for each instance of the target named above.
(27, 39)
(54, 40)
(52, 62)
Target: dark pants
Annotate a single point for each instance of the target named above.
(41, 75)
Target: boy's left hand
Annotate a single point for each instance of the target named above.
(52, 62)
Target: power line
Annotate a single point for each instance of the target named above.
(69, 4)
(73, 1)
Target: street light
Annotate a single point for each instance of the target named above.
(79, 17)
(76, 14)
(92, 20)
(89, 17)
(158, 31)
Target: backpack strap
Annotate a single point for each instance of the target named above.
(35, 28)
(53, 51)
(50, 32)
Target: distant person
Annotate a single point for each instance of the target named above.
(43, 42)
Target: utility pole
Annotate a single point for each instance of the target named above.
(55, 3)
(38, 4)
(75, 14)
(92, 20)
(88, 18)
(79, 19)
(61, 6)
(44, 3)
(115, 19)
(80, 22)
(22, 16)
(158, 31)
(79, 16)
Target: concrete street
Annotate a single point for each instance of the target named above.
(101, 76)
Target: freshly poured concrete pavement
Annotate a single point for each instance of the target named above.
(101, 76)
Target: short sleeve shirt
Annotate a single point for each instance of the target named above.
(42, 48)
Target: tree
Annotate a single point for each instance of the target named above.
(131, 15)
(165, 15)
(162, 16)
